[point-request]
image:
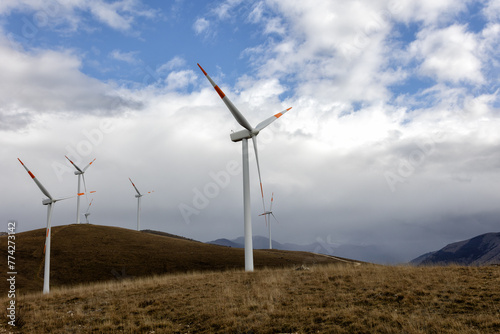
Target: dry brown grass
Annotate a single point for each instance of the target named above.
(324, 299)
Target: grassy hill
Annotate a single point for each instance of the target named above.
(88, 253)
(324, 299)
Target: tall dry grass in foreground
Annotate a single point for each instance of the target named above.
(324, 299)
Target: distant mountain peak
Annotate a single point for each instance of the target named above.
(367, 253)
(483, 249)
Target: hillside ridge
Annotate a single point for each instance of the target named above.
(483, 249)
(85, 253)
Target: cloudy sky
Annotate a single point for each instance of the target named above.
(393, 138)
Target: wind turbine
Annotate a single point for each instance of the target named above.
(87, 213)
(49, 202)
(243, 136)
(80, 173)
(268, 214)
(139, 195)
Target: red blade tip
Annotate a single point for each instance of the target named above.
(201, 68)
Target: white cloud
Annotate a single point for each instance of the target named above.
(51, 81)
(222, 11)
(448, 54)
(108, 13)
(492, 10)
(8, 5)
(272, 24)
(201, 25)
(259, 95)
(118, 15)
(180, 79)
(488, 50)
(334, 49)
(173, 63)
(128, 57)
(257, 12)
(430, 12)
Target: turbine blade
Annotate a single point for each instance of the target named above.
(85, 187)
(88, 208)
(275, 217)
(90, 163)
(79, 194)
(64, 198)
(138, 193)
(42, 188)
(84, 183)
(236, 113)
(271, 119)
(271, 206)
(254, 139)
(77, 168)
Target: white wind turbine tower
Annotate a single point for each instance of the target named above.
(267, 215)
(243, 136)
(80, 173)
(49, 202)
(139, 195)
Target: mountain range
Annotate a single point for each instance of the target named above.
(481, 250)
(369, 253)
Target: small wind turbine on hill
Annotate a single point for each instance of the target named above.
(80, 173)
(267, 215)
(49, 202)
(243, 136)
(138, 196)
(87, 213)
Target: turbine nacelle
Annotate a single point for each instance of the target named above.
(240, 135)
(47, 201)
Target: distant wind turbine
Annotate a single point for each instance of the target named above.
(87, 213)
(139, 195)
(243, 136)
(81, 174)
(267, 215)
(49, 202)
